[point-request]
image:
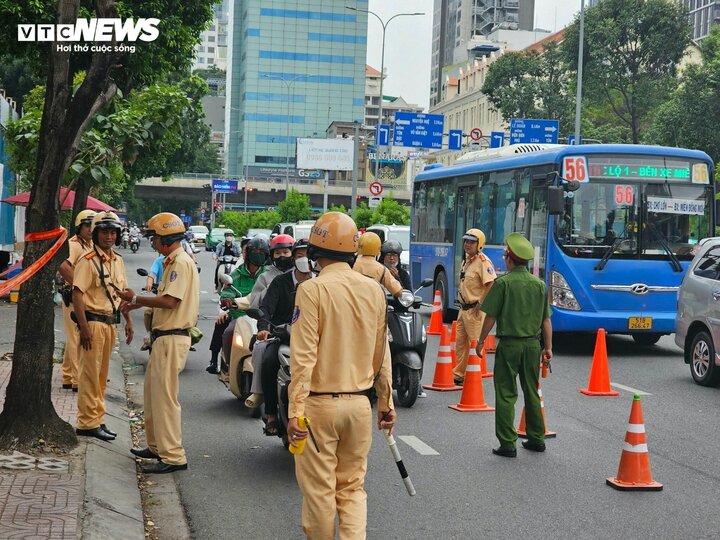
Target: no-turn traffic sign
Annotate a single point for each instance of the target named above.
(376, 188)
(476, 134)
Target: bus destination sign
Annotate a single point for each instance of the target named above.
(643, 168)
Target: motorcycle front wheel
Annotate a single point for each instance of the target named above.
(408, 385)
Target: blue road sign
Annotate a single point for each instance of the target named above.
(202, 214)
(534, 131)
(497, 139)
(419, 130)
(186, 219)
(571, 139)
(382, 135)
(455, 139)
(220, 185)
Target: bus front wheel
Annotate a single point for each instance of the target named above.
(441, 285)
(645, 340)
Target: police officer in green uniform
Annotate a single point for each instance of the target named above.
(518, 302)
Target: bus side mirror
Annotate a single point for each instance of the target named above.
(556, 200)
(572, 185)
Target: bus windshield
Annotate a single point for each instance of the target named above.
(637, 219)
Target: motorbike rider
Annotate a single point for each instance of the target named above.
(277, 307)
(135, 231)
(282, 261)
(338, 352)
(367, 264)
(79, 244)
(244, 278)
(390, 252)
(228, 247)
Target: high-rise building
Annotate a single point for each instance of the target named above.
(293, 66)
(391, 104)
(703, 14)
(457, 22)
(212, 49)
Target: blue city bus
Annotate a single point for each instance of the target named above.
(612, 246)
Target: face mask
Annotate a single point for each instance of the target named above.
(283, 263)
(303, 265)
(258, 259)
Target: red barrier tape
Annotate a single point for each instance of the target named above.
(33, 269)
(13, 267)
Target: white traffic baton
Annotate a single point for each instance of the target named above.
(399, 462)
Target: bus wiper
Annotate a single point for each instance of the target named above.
(609, 253)
(664, 244)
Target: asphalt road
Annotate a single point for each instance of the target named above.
(241, 484)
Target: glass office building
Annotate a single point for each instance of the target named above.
(294, 66)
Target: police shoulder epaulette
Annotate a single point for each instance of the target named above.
(89, 255)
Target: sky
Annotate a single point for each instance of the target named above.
(408, 42)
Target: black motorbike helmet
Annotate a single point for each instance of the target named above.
(302, 243)
(258, 244)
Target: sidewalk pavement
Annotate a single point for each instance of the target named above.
(94, 493)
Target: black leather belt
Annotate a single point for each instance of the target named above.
(338, 394)
(176, 332)
(468, 306)
(96, 317)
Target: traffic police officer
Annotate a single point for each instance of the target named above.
(518, 302)
(338, 352)
(476, 277)
(98, 277)
(367, 264)
(79, 245)
(175, 311)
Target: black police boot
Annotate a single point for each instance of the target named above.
(213, 367)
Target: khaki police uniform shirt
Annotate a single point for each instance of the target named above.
(371, 268)
(339, 338)
(476, 274)
(78, 248)
(87, 280)
(180, 280)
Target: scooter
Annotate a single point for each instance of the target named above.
(124, 238)
(225, 265)
(236, 372)
(408, 341)
(134, 243)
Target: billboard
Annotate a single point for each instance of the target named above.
(325, 154)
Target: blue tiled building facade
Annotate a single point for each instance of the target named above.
(294, 66)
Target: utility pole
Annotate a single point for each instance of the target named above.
(578, 95)
(325, 192)
(356, 137)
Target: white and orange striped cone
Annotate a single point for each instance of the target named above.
(443, 378)
(522, 433)
(634, 470)
(436, 317)
(453, 343)
(489, 344)
(472, 398)
(484, 373)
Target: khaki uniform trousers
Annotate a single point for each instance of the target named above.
(72, 348)
(468, 328)
(332, 481)
(162, 409)
(92, 375)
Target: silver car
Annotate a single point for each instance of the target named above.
(697, 323)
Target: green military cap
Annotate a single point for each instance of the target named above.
(519, 247)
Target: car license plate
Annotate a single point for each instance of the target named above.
(639, 323)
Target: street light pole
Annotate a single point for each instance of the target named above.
(578, 95)
(384, 25)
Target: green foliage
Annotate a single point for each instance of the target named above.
(340, 208)
(17, 78)
(391, 212)
(240, 222)
(630, 56)
(363, 216)
(295, 207)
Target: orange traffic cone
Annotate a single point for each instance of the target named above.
(453, 344)
(521, 428)
(484, 373)
(599, 383)
(443, 378)
(436, 317)
(634, 470)
(490, 344)
(472, 398)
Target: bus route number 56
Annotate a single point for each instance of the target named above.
(575, 168)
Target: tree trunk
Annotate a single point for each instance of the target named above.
(82, 190)
(28, 412)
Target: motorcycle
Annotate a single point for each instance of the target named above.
(124, 239)
(408, 341)
(236, 372)
(134, 243)
(225, 265)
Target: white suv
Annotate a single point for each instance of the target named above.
(697, 323)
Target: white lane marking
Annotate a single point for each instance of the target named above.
(419, 446)
(629, 389)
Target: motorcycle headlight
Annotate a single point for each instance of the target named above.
(424, 334)
(406, 299)
(561, 295)
(238, 340)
